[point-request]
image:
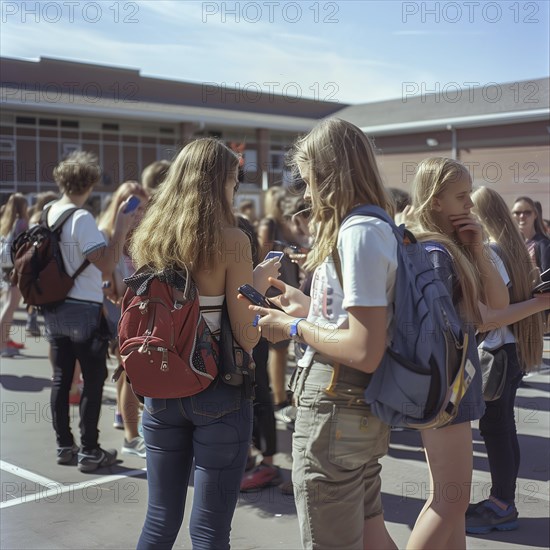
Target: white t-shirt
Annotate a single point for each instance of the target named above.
(79, 237)
(503, 335)
(368, 253)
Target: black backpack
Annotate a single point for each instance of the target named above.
(38, 268)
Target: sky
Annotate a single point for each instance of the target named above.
(346, 51)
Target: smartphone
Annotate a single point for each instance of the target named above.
(542, 287)
(256, 298)
(274, 254)
(133, 203)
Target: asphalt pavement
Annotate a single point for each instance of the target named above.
(48, 506)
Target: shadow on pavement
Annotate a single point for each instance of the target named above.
(399, 509)
(542, 386)
(24, 383)
(532, 403)
(532, 533)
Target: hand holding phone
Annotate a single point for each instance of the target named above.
(133, 203)
(256, 298)
(274, 254)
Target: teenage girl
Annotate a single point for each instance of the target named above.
(518, 330)
(337, 443)
(442, 207)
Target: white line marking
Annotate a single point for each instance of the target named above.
(55, 489)
(25, 474)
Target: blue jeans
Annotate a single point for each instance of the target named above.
(213, 427)
(498, 429)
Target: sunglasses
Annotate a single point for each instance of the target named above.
(525, 213)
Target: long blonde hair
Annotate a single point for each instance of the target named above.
(16, 208)
(503, 231)
(184, 223)
(432, 178)
(338, 161)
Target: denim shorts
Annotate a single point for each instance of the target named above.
(73, 319)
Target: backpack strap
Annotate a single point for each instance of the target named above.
(374, 212)
(60, 221)
(56, 227)
(432, 246)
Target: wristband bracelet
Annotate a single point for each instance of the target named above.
(294, 328)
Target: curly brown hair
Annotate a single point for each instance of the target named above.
(77, 173)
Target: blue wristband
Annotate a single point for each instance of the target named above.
(294, 328)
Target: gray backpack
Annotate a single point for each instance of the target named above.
(424, 373)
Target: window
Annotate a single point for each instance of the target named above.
(7, 146)
(68, 148)
(47, 122)
(25, 120)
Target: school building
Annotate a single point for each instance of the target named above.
(51, 107)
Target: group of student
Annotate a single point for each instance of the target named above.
(344, 325)
(337, 442)
(75, 329)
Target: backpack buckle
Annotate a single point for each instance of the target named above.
(164, 362)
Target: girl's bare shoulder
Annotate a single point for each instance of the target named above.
(236, 244)
(234, 235)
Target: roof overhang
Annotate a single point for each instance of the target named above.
(156, 112)
(497, 119)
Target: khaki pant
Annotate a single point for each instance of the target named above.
(336, 447)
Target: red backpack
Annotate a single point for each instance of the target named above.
(166, 346)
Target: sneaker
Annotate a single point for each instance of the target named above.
(66, 454)
(488, 516)
(9, 352)
(15, 345)
(287, 414)
(134, 447)
(98, 458)
(263, 475)
(473, 507)
(118, 423)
